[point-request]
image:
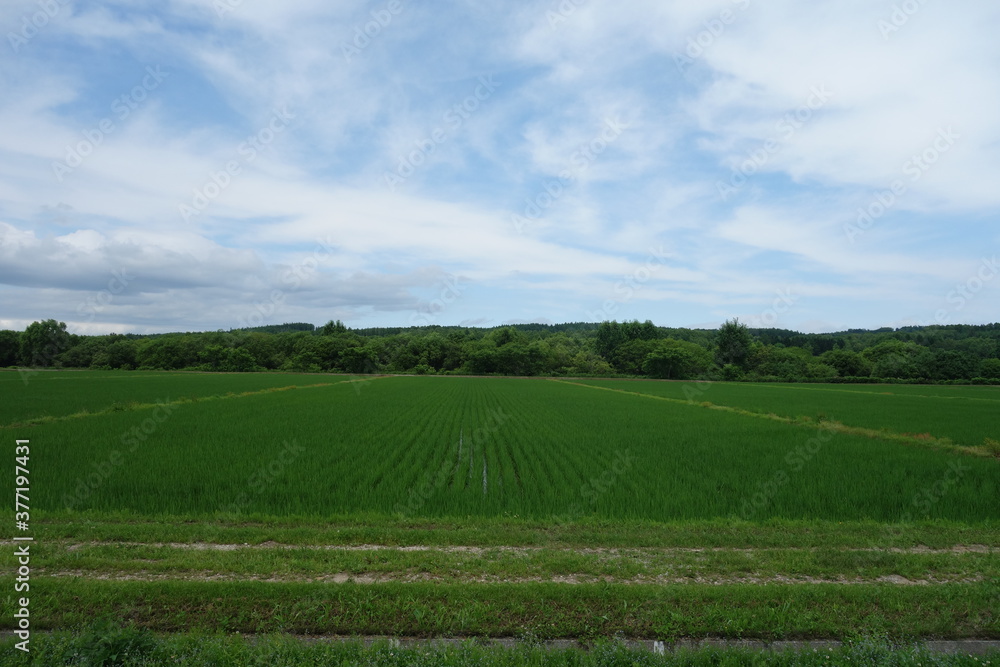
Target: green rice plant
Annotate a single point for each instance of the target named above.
(965, 415)
(535, 449)
(62, 393)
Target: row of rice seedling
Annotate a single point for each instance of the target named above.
(966, 415)
(33, 394)
(441, 447)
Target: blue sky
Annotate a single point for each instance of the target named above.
(189, 165)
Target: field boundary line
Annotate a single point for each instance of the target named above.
(137, 407)
(475, 550)
(804, 386)
(572, 579)
(832, 426)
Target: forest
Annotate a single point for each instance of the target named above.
(734, 352)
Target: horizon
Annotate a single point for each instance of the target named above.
(405, 328)
(188, 166)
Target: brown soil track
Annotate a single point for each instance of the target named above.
(206, 546)
(347, 577)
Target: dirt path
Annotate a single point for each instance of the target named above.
(347, 577)
(625, 551)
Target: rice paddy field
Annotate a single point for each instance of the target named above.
(505, 507)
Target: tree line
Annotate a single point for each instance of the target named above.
(948, 353)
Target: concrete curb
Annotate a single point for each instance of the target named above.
(948, 647)
(974, 647)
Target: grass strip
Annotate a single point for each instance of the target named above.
(948, 611)
(95, 526)
(505, 564)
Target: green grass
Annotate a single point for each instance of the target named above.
(97, 642)
(368, 529)
(546, 610)
(496, 564)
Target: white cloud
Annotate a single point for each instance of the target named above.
(560, 80)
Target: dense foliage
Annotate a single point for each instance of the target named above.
(734, 352)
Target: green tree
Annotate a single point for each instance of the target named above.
(508, 335)
(990, 368)
(121, 353)
(262, 348)
(42, 342)
(847, 363)
(360, 360)
(733, 344)
(588, 363)
(629, 357)
(479, 357)
(332, 328)
(609, 337)
(10, 347)
(82, 354)
(896, 359)
(776, 362)
(950, 365)
(677, 360)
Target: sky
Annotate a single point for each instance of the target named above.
(191, 165)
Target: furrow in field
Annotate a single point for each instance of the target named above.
(518, 437)
(570, 579)
(957, 549)
(400, 449)
(564, 453)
